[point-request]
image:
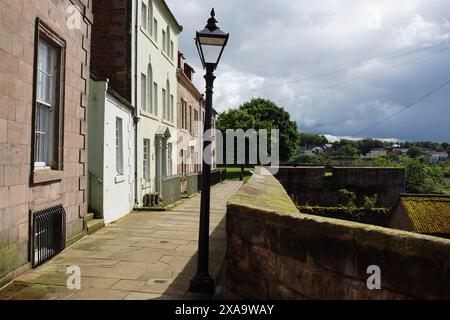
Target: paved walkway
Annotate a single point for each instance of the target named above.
(145, 255)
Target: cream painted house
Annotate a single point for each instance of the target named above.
(141, 66)
(157, 47)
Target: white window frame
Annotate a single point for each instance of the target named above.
(164, 97)
(150, 89)
(168, 40)
(119, 146)
(155, 29)
(155, 97)
(49, 102)
(169, 159)
(171, 107)
(150, 18)
(146, 160)
(144, 15)
(144, 97)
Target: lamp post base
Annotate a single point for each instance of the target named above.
(202, 284)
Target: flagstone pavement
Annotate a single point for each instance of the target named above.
(144, 255)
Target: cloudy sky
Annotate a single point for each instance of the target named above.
(338, 67)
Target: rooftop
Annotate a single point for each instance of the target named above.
(429, 214)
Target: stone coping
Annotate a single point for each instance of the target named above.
(264, 197)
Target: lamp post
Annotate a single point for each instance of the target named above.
(210, 43)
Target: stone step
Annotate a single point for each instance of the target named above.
(94, 225)
(89, 216)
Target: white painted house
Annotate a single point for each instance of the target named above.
(157, 56)
(135, 46)
(110, 153)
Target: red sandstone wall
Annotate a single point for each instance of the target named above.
(274, 252)
(19, 194)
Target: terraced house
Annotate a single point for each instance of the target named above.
(44, 73)
(135, 45)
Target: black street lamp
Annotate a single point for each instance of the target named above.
(210, 44)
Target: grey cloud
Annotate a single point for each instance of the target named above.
(277, 42)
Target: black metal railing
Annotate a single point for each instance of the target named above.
(49, 234)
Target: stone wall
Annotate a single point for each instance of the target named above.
(310, 186)
(274, 252)
(21, 190)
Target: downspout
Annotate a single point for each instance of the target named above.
(136, 117)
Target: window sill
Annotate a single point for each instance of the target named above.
(146, 185)
(167, 57)
(148, 36)
(149, 115)
(169, 123)
(119, 179)
(47, 175)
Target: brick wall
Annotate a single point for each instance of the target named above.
(111, 44)
(310, 186)
(274, 252)
(19, 193)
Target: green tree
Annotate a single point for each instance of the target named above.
(263, 114)
(424, 177)
(383, 161)
(369, 144)
(312, 139)
(414, 152)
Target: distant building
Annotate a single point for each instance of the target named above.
(424, 214)
(309, 151)
(376, 152)
(438, 156)
(399, 151)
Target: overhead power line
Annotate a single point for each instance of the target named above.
(405, 108)
(338, 84)
(352, 67)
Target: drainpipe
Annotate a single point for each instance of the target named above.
(136, 117)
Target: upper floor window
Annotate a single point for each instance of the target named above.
(196, 122)
(48, 112)
(155, 29)
(150, 18)
(168, 41)
(144, 97)
(155, 98)
(171, 107)
(163, 39)
(167, 102)
(183, 121)
(171, 50)
(144, 13)
(150, 101)
(190, 119)
(164, 103)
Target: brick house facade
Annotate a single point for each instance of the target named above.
(44, 74)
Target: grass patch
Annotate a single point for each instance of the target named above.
(233, 174)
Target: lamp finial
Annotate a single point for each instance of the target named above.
(212, 22)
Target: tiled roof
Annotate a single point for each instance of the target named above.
(429, 214)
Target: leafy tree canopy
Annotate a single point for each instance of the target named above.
(259, 114)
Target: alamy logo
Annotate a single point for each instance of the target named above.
(74, 278)
(250, 147)
(73, 18)
(374, 280)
